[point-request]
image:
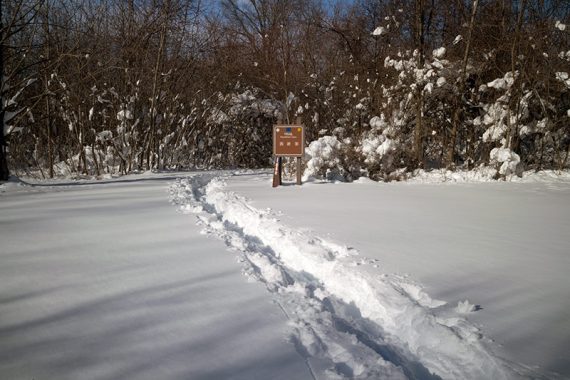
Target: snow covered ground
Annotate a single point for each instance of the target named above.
(109, 281)
(501, 246)
(365, 280)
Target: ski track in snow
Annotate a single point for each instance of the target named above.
(347, 318)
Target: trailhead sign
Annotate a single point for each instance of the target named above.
(288, 140)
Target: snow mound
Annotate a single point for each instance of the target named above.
(348, 319)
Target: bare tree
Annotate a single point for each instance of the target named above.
(419, 44)
(457, 113)
(16, 18)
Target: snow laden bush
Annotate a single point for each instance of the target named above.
(498, 116)
(378, 149)
(526, 119)
(435, 82)
(327, 159)
(506, 160)
(374, 155)
(456, 114)
(238, 129)
(12, 112)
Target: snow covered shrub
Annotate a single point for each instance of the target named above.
(434, 82)
(337, 109)
(526, 117)
(507, 118)
(237, 130)
(498, 115)
(378, 149)
(253, 116)
(116, 130)
(327, 159)
(506, 160)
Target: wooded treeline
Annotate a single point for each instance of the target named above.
(114, 86)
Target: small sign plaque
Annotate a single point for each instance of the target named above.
(288, 140)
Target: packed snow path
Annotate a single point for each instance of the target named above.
(108, 281)
(348, 319)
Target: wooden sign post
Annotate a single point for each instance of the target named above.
(277, 172)
(288, 141)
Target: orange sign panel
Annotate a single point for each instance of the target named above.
(288, 140)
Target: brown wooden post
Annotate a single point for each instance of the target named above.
(277, 164)
(298, 121)
(277, 172)
(298, 170)
(280, 163)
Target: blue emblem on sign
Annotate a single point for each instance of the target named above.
(288, 130)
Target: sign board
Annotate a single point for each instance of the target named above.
(288, 140)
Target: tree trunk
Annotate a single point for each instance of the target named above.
(458, 105)
(563, 164)
(4, 172)
(47, 92)
(153, 141)
(418, 133)
(82, 153)
(512, 136)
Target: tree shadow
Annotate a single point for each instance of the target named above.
(101, 182)
(136, 333)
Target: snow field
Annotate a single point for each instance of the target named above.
(106, 281)
(501, 245)
(348, 318)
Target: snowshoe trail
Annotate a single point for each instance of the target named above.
(348, 319)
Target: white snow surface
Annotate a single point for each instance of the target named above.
(106, 280)
(381, 324)
(359, 281)
(486, 261)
